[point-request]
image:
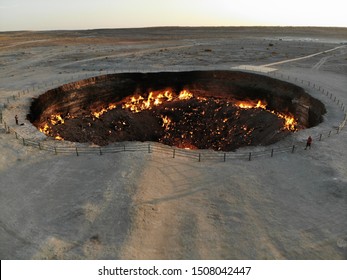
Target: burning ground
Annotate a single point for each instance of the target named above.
(148, 206)
(176, 119)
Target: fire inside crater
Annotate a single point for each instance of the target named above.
(212, 111)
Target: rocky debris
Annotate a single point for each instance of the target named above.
(195, 124)
(91, 111)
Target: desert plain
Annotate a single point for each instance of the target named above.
(138, 205)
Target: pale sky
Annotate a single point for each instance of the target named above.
(93, 14)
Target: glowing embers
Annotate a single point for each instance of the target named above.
(55, 119)
(176, 119)
(289, 121)
(166, 122)
(216, 124)
(251, 104)
(99, 113)
(139, 103)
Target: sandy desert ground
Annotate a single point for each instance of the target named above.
(152, 206)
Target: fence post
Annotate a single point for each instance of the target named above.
(149, 148)
(338, 130)
(272, 152)
(55, 151)
(40, 146)
(0, 116)
(293, 149)
(173, 153)
(199, 157)
(320, 137)
(100, 151)
(250, 156)
(77, 152)
(329, 133)
(225, 157)
(23, 142)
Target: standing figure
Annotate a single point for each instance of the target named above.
(16, 119)
(308, 142)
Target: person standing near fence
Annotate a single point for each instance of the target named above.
(16, 119)
(308, 142)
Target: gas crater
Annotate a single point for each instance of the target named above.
(219, 110)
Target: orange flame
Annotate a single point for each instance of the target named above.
(139, 103)
(98, 114)
(185, 95)
(289, 121)
(53, 120)
(56, 119)
(166, 122)
(45, 129)
(251, 105)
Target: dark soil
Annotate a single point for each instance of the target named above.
(196, 124)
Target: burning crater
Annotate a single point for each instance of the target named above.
(220, 110)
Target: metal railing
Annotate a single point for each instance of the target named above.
(152, 147)
(173, 152)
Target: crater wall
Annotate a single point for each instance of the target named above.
(93, 93)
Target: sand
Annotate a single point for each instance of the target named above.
(140, 205)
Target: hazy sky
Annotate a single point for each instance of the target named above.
(89, 14)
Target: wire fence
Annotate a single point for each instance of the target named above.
(151, 147)
(196, 155)
(165, 150)
(323, 91)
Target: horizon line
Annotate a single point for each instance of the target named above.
(175, 26)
